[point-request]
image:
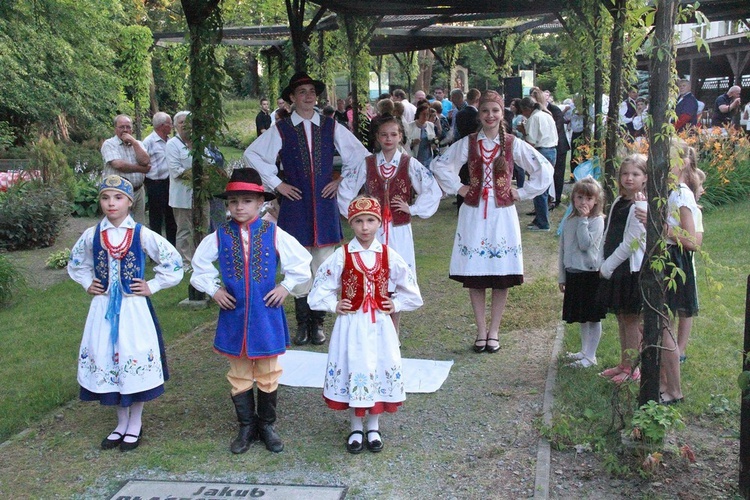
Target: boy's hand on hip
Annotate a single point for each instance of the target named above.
(95, 288)
(224, 299)
(289, 191)
(276, 297)
(330, 189)
(140, 287)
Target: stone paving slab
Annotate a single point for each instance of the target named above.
(197, 490)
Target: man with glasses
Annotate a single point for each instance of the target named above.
(125, 156)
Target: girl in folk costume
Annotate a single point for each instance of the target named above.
(390, 176)
(121, 361)
(364, 372)
(487, 248)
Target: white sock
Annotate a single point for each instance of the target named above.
(372, 425)
(591, 340)
(356, 425)
(123, 415)
(134, 424)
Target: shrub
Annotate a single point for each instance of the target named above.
(49, 159)
(58, 260)
(86, 197)
(10, 280)
(31, 216)
(83, 158)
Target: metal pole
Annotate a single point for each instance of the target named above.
(745, 406)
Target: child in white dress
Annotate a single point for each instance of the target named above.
(393, 177)
(121, 361)
(364, 372)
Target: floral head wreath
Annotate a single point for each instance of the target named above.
(364, 205)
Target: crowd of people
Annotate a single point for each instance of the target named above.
(469, 145)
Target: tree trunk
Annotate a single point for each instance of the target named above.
(618, 10)
(652, 280)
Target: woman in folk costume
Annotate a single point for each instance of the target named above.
(392, 177)
(487, 248)
(121, 361)
(364, 372)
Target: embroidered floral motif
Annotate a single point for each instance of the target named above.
(235, 251)
(259, 263)
(489, 250)
(114, 374)
(394, 383)
(333, 379)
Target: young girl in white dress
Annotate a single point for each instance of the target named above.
(578, 268)
(364, 373)
(487, 249)
(392, 177)
(121, 361)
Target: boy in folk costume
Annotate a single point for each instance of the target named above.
(306, 142)
(121, 360)
(364, 373)
(252, 330)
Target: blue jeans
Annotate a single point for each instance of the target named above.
(540, 202)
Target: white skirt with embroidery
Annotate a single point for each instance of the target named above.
(364, 361)
(487, 246)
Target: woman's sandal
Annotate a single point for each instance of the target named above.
(111, 444)
(480, 348)
(627, 375)
(355, 446)
(611, 372)
(375, 445)
(493, 349)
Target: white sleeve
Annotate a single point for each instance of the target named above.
(352, 151)
(539, 169)
(406, 296)
(205, 277)
(634, 237)
(427, 189)
(294, 259)
(352, 181)
(324, 293)
(261, 155)
(81, 260)
(169, 271)
(446, 166)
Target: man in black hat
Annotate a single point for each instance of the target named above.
(306, 142)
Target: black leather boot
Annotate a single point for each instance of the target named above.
(266, 417)
(317, 336)
(302, 312)
(244, 405)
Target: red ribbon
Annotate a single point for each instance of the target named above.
(244, 186)
(387, 218)
(370, 305)
(485, 197)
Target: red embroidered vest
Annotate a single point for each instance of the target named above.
(501, 181)
(365, 286)
(384, 190)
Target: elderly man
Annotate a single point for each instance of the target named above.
(419, 95)
(125, 156)
(157, 180)
(306, 142)
(686, 108)
(409, 109)
(725, 106)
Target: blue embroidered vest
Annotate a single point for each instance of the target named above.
(132, 265)
(251, 328)
(312, 220)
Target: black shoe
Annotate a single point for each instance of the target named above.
(273, 441)
(317, 337)
(355, 446)
(302, 336)
(125, 446)
(376, 445)
(480, 348)
(493, 349)
(110, 444)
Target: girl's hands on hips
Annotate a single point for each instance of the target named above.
(276, 297)
(225, 301)
(140, 287)
(514, 194)
(462, 190)
(95, 288)
(561, 286)
(344, 306)
(400, 205)
(388, 306)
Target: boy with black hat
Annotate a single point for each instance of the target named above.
(252, 330)
(306, 142)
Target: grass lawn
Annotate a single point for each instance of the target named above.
(585, 404)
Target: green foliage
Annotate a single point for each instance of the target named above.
(58, 260)
(57, 63)
(31, 214)
(10, 280)
(49, 159)
(135, 65)
(86, 197)
(653, 420)
(7, 136)
(83, 158)
(171, 72)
